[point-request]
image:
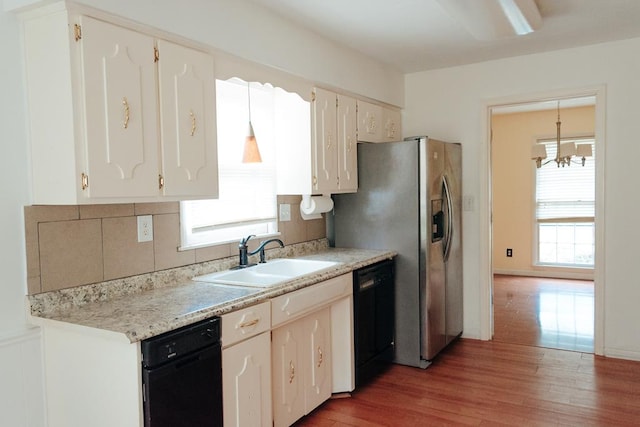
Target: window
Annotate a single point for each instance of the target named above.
(565, 210)
(247, 200)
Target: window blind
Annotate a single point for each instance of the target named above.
(566, 194)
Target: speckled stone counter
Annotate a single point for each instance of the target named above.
(144, 306)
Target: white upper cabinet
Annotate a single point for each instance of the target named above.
(347, 131)
(369, 122)
(377, 123)
(334, 139)
(118, 76)
(323, 161)
(324, 142)
(391, 125)
(109, 121)
(188, 121)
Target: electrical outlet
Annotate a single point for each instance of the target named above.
(509, 252)
(145, 228)
(285, 212)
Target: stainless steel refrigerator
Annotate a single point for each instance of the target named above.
(409, 200)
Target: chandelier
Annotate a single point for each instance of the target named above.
(564, 150)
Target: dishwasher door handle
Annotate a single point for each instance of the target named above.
(362, 286)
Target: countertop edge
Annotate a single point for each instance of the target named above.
(141, 332)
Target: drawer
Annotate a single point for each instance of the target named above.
(246, 323)
(294, 304)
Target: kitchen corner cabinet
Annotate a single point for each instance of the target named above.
(377, 123)
(116, 115)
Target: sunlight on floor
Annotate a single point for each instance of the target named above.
(542, 312)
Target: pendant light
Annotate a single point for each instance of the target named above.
(251, 152)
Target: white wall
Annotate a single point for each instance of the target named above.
(21, 397)
(450, 104)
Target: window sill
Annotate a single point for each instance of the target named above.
(207, 245)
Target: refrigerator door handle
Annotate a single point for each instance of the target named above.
(450, 230)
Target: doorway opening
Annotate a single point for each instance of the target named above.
(543, 230)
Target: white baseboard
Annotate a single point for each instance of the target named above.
(17, 337)
(616, 353)
(551, 274)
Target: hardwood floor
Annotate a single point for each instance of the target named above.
(489, 383)
(537, 311)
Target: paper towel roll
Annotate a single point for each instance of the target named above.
(312, 206)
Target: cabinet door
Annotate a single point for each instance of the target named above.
(120, 120)
(318, 372)
(246, 382)
(347, 139)
(325, 147)
(187, 121)
(288, 378)
(392, 125)
(369, 122)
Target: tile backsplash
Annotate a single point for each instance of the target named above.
(71, 246)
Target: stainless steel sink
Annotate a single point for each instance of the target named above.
(267, 274)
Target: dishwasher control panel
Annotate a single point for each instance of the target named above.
(176, 343)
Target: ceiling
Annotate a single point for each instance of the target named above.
(417, 35)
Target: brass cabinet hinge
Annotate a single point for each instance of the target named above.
(77, 32)
(336, 101)
(160, 182)
(156, 54)
(84, 181)
(313, 96)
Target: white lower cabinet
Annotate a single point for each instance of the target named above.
(301, 352)
(246, 382)
(246, 367)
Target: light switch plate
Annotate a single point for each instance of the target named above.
(145, 228)
(468, 203)
(285, 212)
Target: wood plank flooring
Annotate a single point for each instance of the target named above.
(537, 311)
(493, 383)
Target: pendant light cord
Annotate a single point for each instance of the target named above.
(249, 98)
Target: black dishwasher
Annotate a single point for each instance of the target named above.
(182, 377)
(373, 299)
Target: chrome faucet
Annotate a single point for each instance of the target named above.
(261, 248)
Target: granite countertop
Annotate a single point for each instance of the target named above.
(158, 309)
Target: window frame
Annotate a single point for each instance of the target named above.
(573, 221)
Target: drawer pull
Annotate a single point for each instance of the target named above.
(292, 371)
(249, 323)
(193, 122)
(125, 104)
(319, 357)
